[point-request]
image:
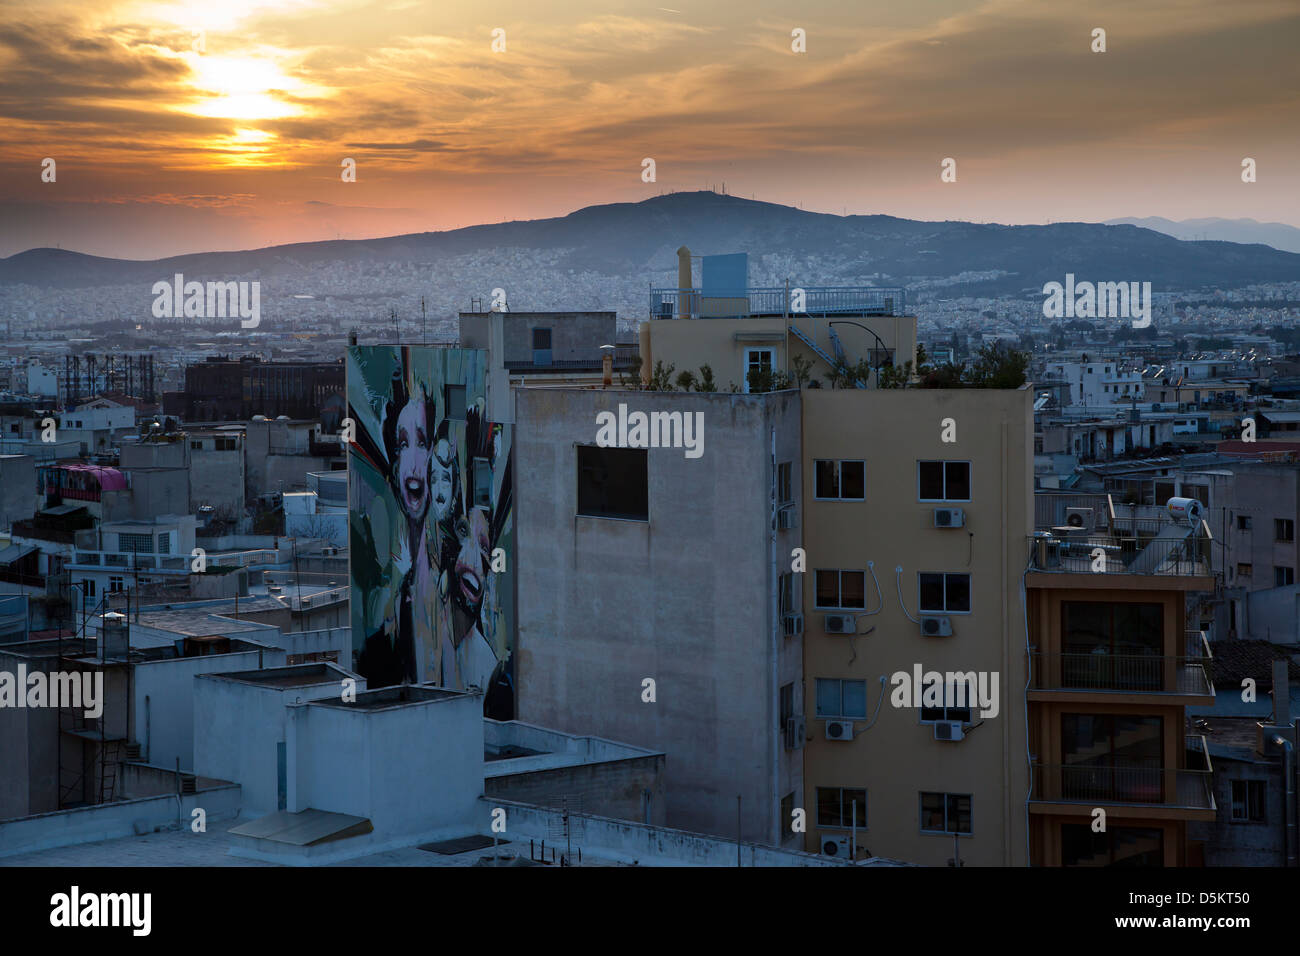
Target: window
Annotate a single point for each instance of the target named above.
(1117, 846)
(1245, 570)
(790, 603)
(785, 482)
(841, 698)
(842, 590)
(787, 816)
(541, 346)
(613, 483)
(1283, 529)
(226, 444)
(1248, 801)
(114, 584)
(950, 710)
(945, 813)
(836, 807)
(88, 587)
(787, 704)
(944, 593)
(128, 543)
(840, 480)
(482, 483)
(196, 446)
(758, 362)
(1282, 576)
(453, 398)
(165, 543)
(1243, 522)
(943, 480)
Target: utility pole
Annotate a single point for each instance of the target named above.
(737, 829)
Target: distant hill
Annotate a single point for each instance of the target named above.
(1276, 234)
(637, 240)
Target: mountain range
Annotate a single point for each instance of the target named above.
(638, 240)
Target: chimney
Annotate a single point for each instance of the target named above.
(607, 365)
(352, 337)
(113, 634)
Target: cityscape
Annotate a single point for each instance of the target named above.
(557, 507)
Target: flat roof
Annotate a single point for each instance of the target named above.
(386, 697)
(295, 675)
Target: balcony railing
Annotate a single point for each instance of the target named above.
(1102, 783)
(668, 303)
(1124, 673)
(1138, 547)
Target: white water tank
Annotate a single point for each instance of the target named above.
(1185, 509)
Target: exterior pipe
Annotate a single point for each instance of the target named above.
(1288, 799)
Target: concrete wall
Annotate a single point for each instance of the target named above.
(686, 598)
(410, 768)
(17, 489)
(217, 478)
(110, 821)
(632, 843)
(169, 685)
(616, 789)
(1229, 843)
(237, 729)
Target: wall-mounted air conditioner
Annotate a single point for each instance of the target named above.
(1079, 518)
(792, 624)
(839, 730)
(949, 518)
(787, 517)
(948, 730)
(840, 624)
(835, 846)
(936, 626)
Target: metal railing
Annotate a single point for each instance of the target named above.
(1124, 673)
(1116, 782)
(1133, 547)
(669, 303)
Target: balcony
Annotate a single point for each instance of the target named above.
(1080, 677)
(693, 303)
(1144, 790)
(1152, 548)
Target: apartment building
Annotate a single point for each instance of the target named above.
(1116, 658)
(901, 519)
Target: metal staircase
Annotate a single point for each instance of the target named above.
(825, 356)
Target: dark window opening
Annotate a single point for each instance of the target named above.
(613, 483)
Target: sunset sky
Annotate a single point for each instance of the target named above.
(162, 148)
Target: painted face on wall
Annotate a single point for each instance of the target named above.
(473, 561)
(413, 450)
(441, 485)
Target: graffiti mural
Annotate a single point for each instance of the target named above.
(430, 523)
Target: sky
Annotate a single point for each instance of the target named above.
(181, 127)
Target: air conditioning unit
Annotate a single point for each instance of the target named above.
(1079, 518)
(796, 731)
(949, 518)
(840, 624)
(792, 624)
(787, 518)
(839, 730)
(936, 626)
(948, 730)
(835, 846)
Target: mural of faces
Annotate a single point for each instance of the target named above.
(412, 466)
(430, 503)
